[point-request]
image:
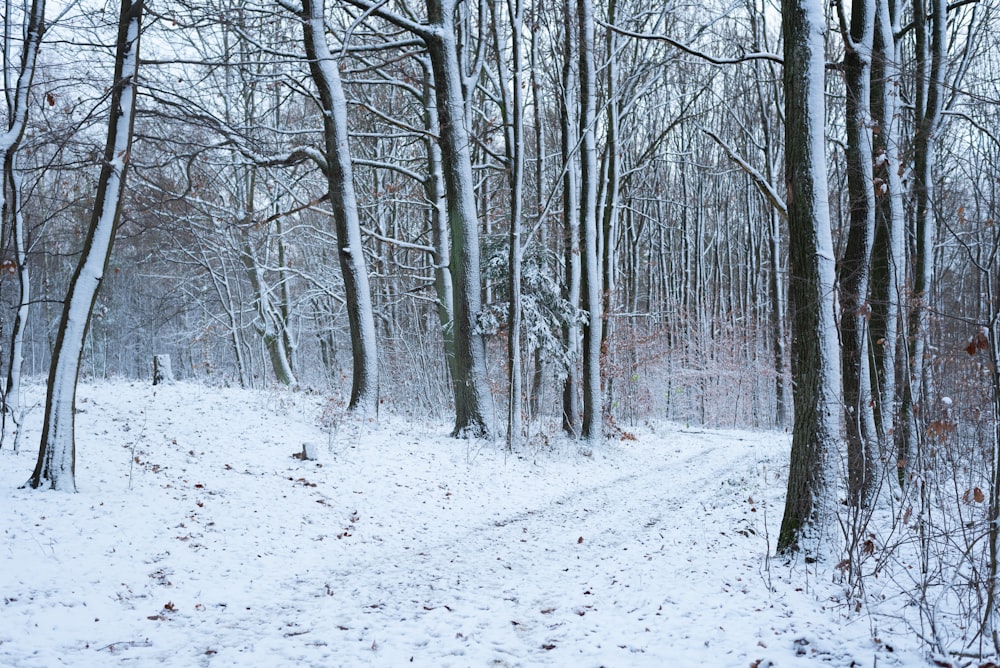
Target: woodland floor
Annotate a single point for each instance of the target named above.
(196, 538)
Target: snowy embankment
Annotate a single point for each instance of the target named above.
(198, 539)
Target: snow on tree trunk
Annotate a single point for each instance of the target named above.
(12, 412)
(272, 326)
(855, 266)
(340, 183)
(571, 225)
(590, 269)
(163, 373)
(815, 355)
(13, 217)
(474, 413)
(441, 237)
(887, 254)
(930, 71)
(56, 466)
(512, 111)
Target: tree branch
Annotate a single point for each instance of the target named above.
(746, 57)
(765, 187)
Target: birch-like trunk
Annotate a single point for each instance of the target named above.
(340, 183)
(815, 358)
(930, 51)
(512, 109)
(56, 467)
(10, 208)
(887, 254)
(590, 286)
(11, 412)
(571, 223)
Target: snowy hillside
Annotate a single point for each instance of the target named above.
(198, 539)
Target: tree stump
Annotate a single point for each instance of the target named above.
(162, 373)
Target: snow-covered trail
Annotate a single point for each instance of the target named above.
(196, 539)
(559, 577)
(643, 568)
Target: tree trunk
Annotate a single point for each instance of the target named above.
(930, 70)
(440, 235)
(512, 109)
(474, 414)
(272, 325)
(855, 266)
(887, 252)
(12, 215)
(590, 286)
(571, 224)
(340, 184)
(163, 373)
(815, 368)
(56, 467)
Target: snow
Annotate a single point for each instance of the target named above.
(198, 538)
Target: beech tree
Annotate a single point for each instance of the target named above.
(474, 412)
(340, 184)
(590, 285)
(814, 350)
(56, 466)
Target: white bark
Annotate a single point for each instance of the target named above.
(10, 206)
(340, 181)
(571, 222)
(890, 217)
(57, 452)
(591, 271)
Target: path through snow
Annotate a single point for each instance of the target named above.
(197, 539)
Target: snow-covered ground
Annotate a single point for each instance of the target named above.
(197, 538)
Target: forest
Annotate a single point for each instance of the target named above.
(538, 217)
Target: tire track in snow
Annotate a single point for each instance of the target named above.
(601, 569)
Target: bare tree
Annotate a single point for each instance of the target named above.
(815, 368)
(931, 53)
(887, 269)
(855, 266)
(590, 286)
(571, 218)
(11, 202)
(340, 182)
(56, 467)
